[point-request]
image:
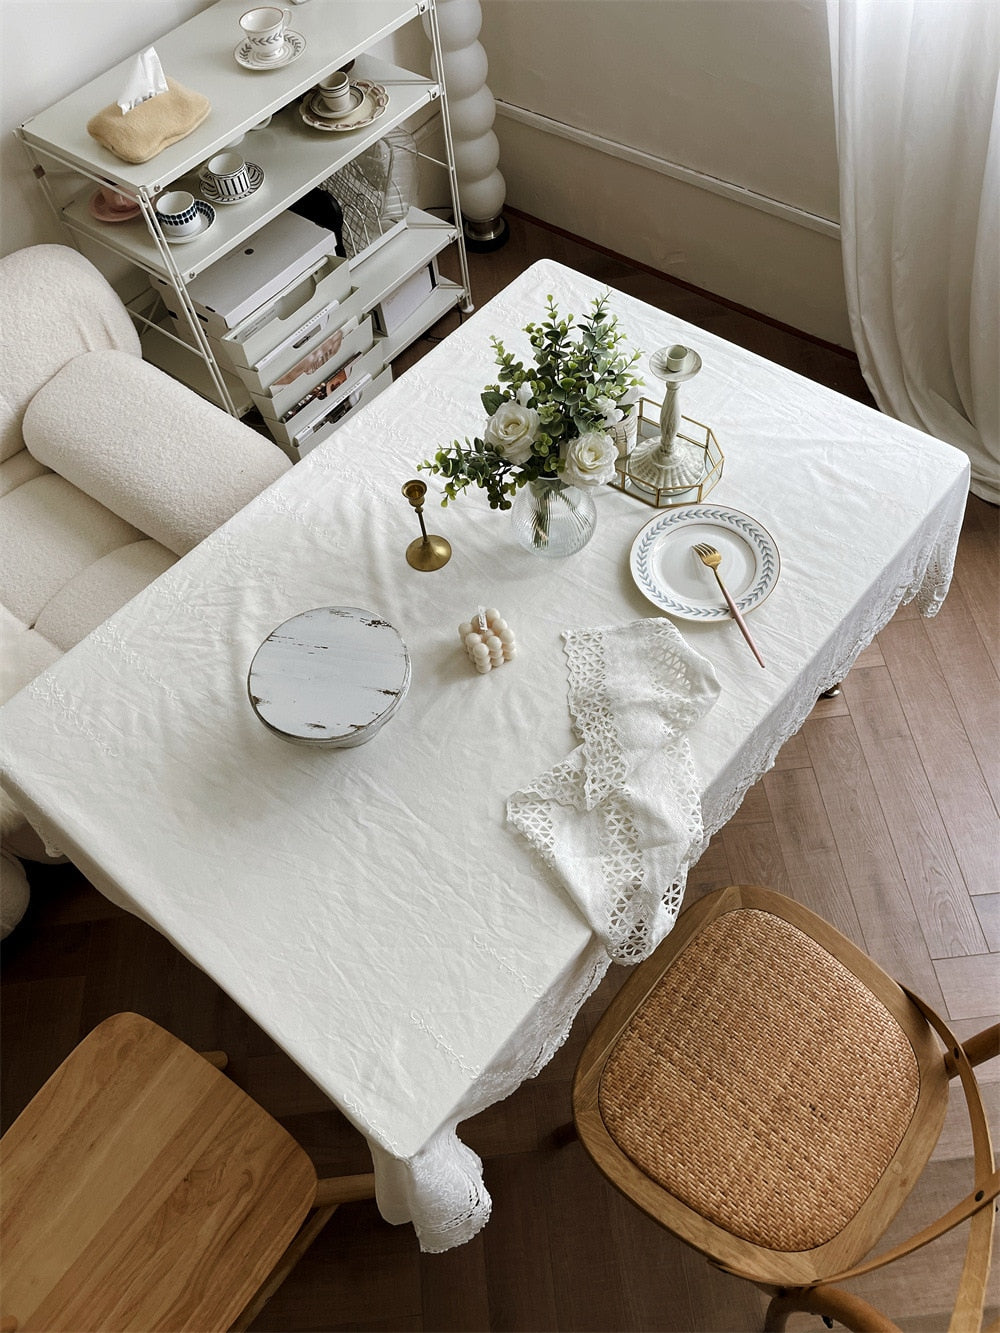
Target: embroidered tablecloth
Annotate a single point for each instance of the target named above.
(372, 908)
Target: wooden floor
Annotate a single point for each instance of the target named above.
(880, 814)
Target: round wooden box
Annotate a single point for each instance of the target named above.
(332, 676)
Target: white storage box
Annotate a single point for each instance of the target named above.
(333, 676)
(306, 342)
(313, 298)
(359, 371)
(355, 403)
(399, 304)
(279, 401)
(264, 266)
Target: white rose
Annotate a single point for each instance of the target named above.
(512, 430)
(609, 410)
(590, 460)
(630, 397)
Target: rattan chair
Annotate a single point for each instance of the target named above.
(143, 1190)
(768, 1094)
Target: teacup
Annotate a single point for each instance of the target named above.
(226, 173)
(118, 203)
(264, 29)
(334, 93)
(178, 213)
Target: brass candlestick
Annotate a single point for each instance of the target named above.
(673, 460)
(425, 552)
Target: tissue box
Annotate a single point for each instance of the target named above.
(139, 134)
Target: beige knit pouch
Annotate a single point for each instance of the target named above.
(139, 134)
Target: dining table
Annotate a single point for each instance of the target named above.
(416, 920)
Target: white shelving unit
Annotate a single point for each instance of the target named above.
(294, 158)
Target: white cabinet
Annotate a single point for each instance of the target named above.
(260, 110)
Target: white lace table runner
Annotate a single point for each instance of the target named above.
(619, 820)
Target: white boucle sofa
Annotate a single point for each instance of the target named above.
(109, 471)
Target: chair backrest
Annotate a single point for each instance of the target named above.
(143, 1189)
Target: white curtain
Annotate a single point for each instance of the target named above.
(917, 95)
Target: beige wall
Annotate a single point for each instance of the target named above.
(710, 95)
(696, 136)
(48, 48)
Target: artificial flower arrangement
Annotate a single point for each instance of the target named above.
(549, 421)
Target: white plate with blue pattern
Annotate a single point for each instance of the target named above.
(670, 574)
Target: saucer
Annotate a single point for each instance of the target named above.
(374, 100)
(102, 210)
(211, 193)
(206, 215)
(295, 44)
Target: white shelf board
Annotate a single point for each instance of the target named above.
(445, 296)
(294, 159)
(200, 55)
(423, 237)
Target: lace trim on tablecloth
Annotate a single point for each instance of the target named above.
(926, 583)
(620, 820)
(440, 1189)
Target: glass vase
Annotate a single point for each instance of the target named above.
(552, 518)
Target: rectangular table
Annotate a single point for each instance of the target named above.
(371, 908)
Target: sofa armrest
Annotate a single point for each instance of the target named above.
(55, 305)
(148, 448)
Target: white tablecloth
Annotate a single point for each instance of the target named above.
(371, 908)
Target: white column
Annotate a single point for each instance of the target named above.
(472, 110)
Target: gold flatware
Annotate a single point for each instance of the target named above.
(709, 556)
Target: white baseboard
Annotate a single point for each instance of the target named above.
(624, 153)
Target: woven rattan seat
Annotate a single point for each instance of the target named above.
(739, 1100)
(765, 1091)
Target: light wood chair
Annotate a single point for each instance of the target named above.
(143, 1190)
(768, 1094)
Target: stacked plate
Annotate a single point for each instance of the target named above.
(368, 102)
(667, 571)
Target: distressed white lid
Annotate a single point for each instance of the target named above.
(330, 676)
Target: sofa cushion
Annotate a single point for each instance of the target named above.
(55, 305)
(49, 532)
(24, 654)
(15, 893)
(17, 469)
(148, 448)
(98, 591)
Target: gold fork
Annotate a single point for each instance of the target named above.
(709, 556)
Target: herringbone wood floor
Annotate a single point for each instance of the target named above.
(881, 814)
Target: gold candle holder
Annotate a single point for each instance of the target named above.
(425, 552)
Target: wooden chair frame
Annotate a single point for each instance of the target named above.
(806, 1280)
(143, 1189)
